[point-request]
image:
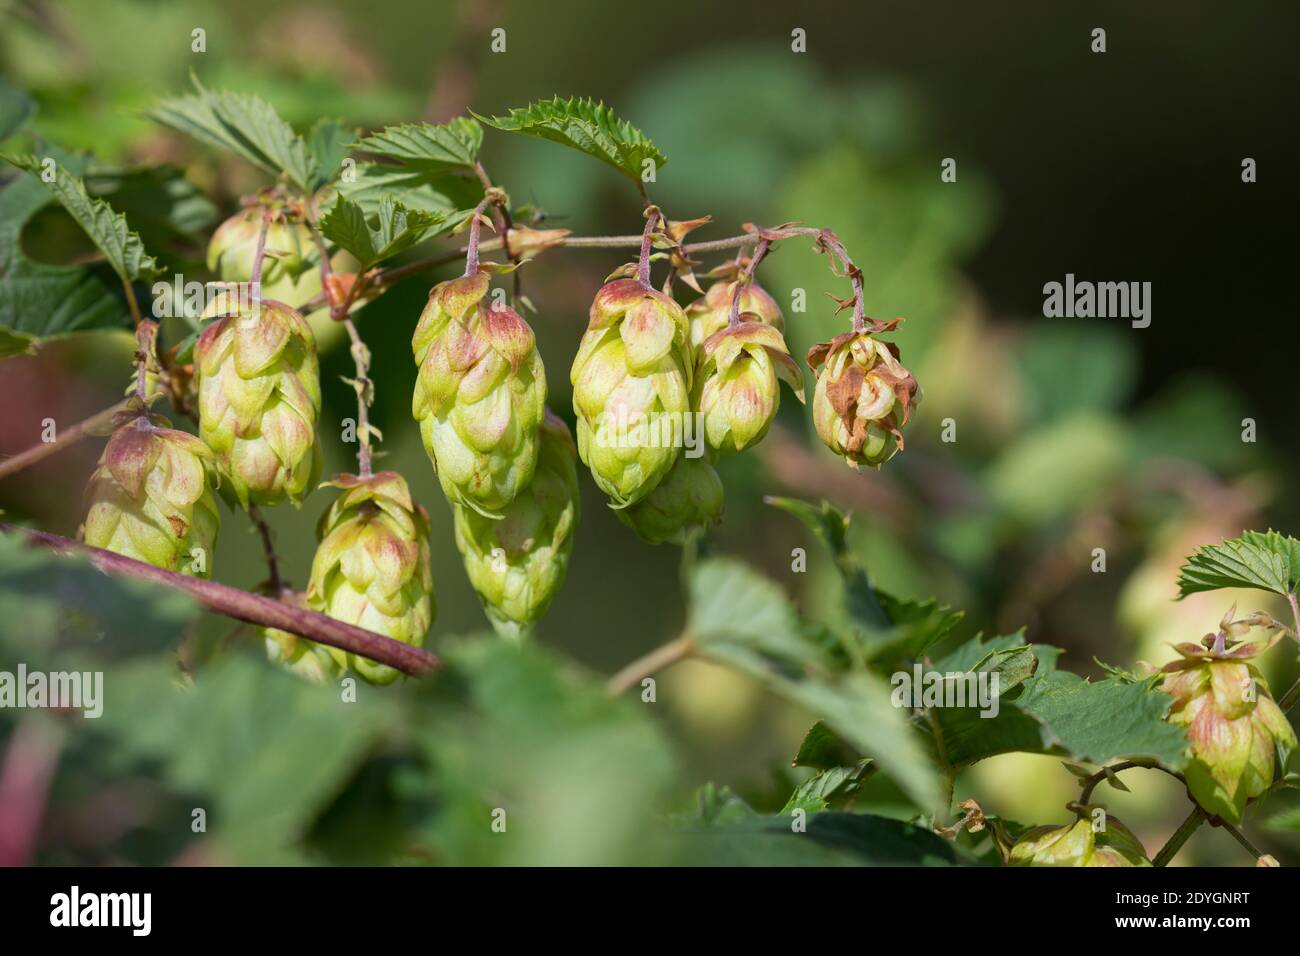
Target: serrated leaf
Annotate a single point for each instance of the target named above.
(830, 789)
(38, 300)
(829, 839)
(159, 202)
(441, 193)
(732, 604)
(1268, 561)
(587, 126)
(426, 147)
(107, 228)
(822, 749)
(244, 124)
(396, 229)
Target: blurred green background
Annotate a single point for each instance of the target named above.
(1071, 434)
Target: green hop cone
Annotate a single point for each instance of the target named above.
(690, 497)
(631, 388)
(479, 396)
(298, 655)
(259, 398)
(1238, 735)
(862, 388)
(151, 498)
(372, 566)
(713, 312)
(290, 269)
(518, 563)
(737, 390)
(1078, 844)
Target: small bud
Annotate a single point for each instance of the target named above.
(690, 497)
(1079, 844)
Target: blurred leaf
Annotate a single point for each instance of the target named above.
(1102, 364)
(16, 108)
(268, 749)
(741, 619)
(39, 301)
(329, 142)
(107, 229)
(1197, 419)
(1267, 561)
(831, 839)
(428, 148)
(586, 126)
(244, 124)
(577, 774)
(714, 806)
(397, 229)
(57, 610)
(1055, 470)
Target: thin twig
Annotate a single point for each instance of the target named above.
(1240, 837)
(62, 439)
(746, 279)
(244, 606)
(1181, 836)
(660, 658)
(273, 583)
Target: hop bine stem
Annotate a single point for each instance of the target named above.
(255, 276)
(746, 279)
(250, 608)
(475, 230)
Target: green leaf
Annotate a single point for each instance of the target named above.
(245, 125)
(106, 228)
(160, 203)
(397, 229)
(41, 301)
(439, 193)
(16, 108)
(428, 148)
(587, 126)
(1267, 561)
(831, 789)
(823, 749)
(329, 142)
(731, 604)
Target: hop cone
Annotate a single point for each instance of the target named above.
(150, 498)
(1076, 844)
(479, 396)
(631, 388)
(305, 658)
(291, 255)
(861, 390)
(713, 312)
(1237, 733)
(259, 397)
(372, 566)
(517, 564)
(689, 497)
(737, 392)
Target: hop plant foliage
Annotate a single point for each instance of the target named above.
(151, 498)
(631, 387)
(372, 567)
(259, 399)
(517, 563)
(479, 396)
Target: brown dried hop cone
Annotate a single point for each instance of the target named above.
(1079, 844)
(737, 390)
(711, 313)
(372, 566)
(631, 388)
(1239, 736)
(864, 395)
(479, 396)
(151, 498)
(259, 398)
(518, 563)
(690, 497)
